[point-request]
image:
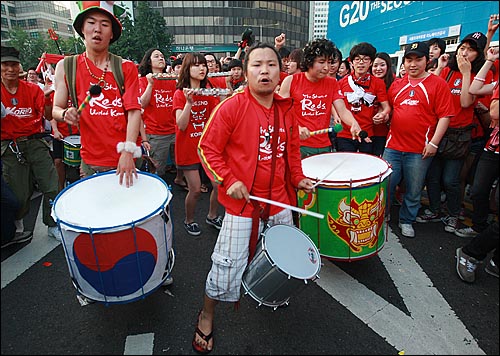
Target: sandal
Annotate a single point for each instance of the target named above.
(204, 188)
(196, 347)
(183, 185)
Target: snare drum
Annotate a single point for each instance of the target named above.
(285, 261)
(117, 240)
(352, 198)
(71, 150)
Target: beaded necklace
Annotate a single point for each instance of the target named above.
(100, 80)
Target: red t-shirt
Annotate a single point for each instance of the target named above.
(416, 111)
(103, 122)
(262, 178)
(463, 116)
(374, 86)
(186, 142)
(157, 116)
(313, 105)
(24, 111)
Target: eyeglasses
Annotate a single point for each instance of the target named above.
(32, 74)
(361, 59)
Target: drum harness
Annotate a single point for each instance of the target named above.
(264, 214)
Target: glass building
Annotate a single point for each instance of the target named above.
(217, 26)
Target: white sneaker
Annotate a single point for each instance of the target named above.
(53, 231)
(407, 230)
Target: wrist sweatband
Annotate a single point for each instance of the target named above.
(433, 145)
(130, 147)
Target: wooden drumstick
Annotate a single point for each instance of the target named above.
(286, 206)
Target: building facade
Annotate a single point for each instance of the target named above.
(390, 25)
(320, 24)
(36, 17)
(217, 26)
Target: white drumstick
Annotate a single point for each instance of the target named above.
(320, 181)
(299, 210)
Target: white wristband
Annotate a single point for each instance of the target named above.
(130, 147)
(433, 145)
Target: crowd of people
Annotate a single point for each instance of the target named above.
(239, 126)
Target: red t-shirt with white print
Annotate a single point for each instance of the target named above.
(186, 142)
(417, 108)
(103, 122)
(157, 116)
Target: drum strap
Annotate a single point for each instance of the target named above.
(257, 213)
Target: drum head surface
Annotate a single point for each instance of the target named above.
(73, 139)
(292, 251)
(361, 168)
(99, 201)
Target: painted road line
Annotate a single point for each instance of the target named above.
(431, 328)
(40, 246)
(141, 344)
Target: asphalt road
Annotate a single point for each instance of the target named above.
(407, 299)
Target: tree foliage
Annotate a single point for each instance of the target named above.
(148, 31)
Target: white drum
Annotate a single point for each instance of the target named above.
(117, 240)
(286, 259)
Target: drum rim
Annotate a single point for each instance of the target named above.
(336, 183)
(107, 229)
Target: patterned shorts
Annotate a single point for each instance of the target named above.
(230, 256)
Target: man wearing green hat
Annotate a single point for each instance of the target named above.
(109, 123)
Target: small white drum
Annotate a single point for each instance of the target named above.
(117, 240)
(286, 259)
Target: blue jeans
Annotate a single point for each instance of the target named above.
(447, 171)
(486, 172)
(414, 169)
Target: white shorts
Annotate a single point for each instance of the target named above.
(230, 256)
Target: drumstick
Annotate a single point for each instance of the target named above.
(336, 128)
(94, 90)
(326, 176)
(286, 206)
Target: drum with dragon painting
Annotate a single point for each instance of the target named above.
(351, 193)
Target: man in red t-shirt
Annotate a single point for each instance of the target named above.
(109, 124)
(422, 107)
(361, 91)
(25, 154)
(314, 93)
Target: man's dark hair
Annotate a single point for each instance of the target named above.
(317, 48)
(363, 48)
(257, 46)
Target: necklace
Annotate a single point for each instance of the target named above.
(100, 80)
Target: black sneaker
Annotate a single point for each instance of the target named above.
(215, 222)
(19, 238)
(192, 228)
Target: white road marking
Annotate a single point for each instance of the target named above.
(141, 344)
(432, 328)
(30, 254)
